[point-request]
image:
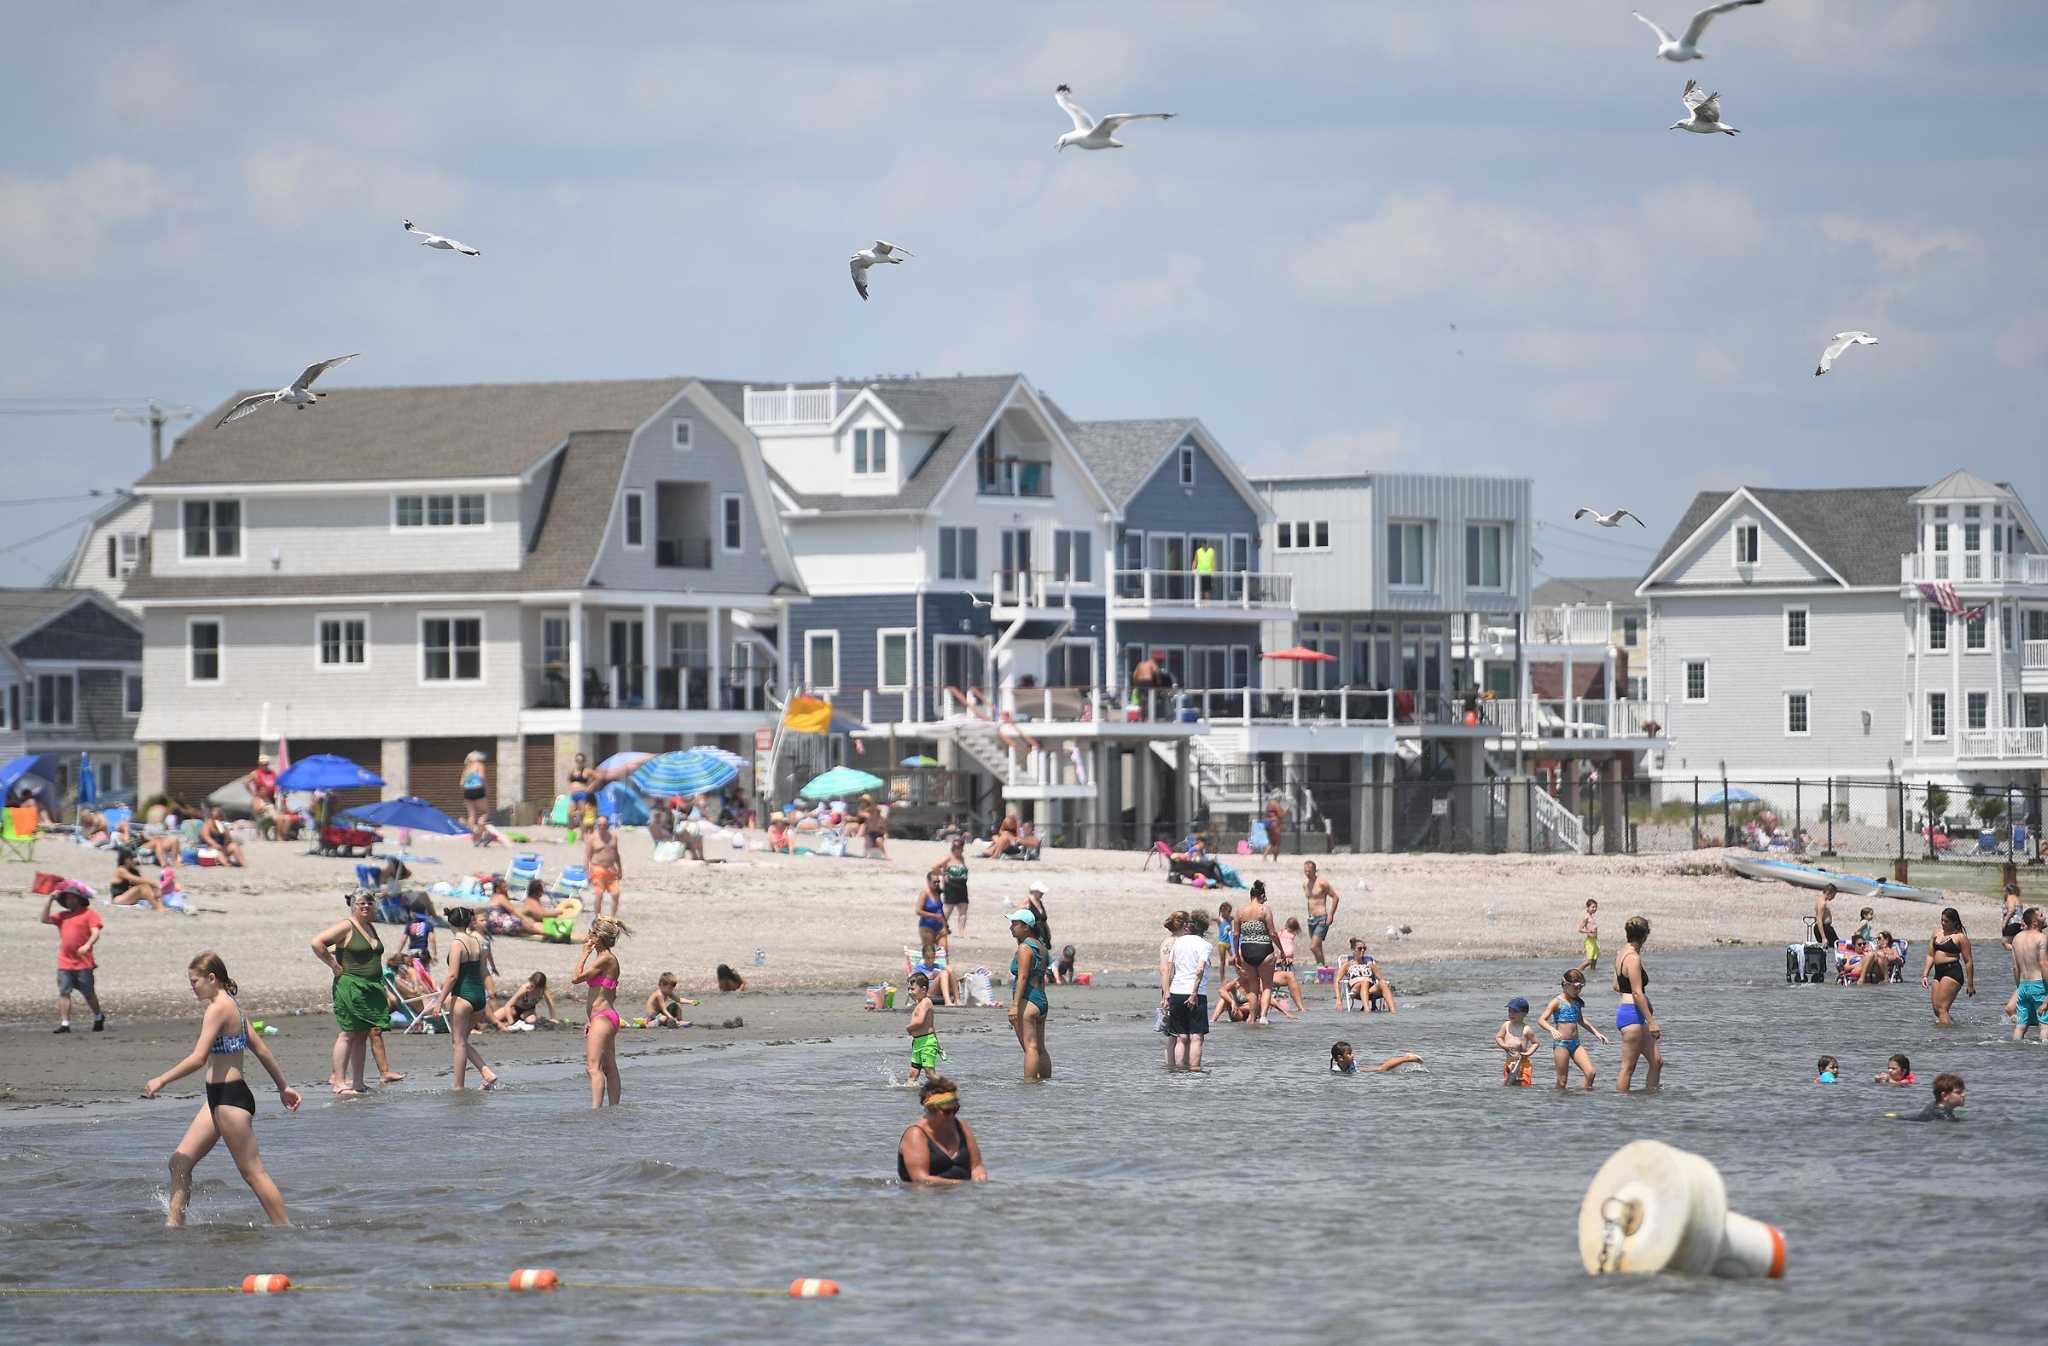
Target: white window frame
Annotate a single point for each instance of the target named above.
(1755, 532)
(1685, 681)
(482, 644)
(554, 615)
(220, 650)
(427, 524)
(1937, 615)
(241, 530)
(1428, 581)
(1187, 464)
(1805, 611)
(1806, 693)
(1981, 628)
(908, 635)
(32, 708)
(134, 680)
(1480, 526)
(962, 573)
(627, 501)
(810, 664)
(870, 446)
(1631, 630)
(128, 553)
(682, 434)
(2005, 624)
(320, 619)
(1283, 535)
(1970, 703)
(735, 503)
(1937, 699)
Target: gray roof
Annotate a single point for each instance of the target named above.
(392, 434)
(1963, 484)
(23, 610)
(1563, 589)
(1124, 454)
(1861, 531)
(578, 489)
(956, 407)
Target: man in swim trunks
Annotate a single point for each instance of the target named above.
(2030, 968)
(601, 858)
(1322, 908)
(1824, 918)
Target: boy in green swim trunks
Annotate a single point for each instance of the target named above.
(924, 1034)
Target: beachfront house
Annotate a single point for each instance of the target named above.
(1861, 634)
(404, 575)
(110, 548)
(71, 685)
(1596, 611)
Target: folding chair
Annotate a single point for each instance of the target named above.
(415, 1006)
(1159, 849)
(18, 833)
(525, 868)
(370, 878)
(575, 882)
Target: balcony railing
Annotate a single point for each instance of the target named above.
(1220, 589)
(680, 686)
(1572, 624)
(791, 405)
(2003, 744)
(1034, 589)
(2034, 654)
(1973, 567)
(1026, 478)
(682, 553)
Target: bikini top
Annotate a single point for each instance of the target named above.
(1567, 1012)
(609, 983)
(229, 1044)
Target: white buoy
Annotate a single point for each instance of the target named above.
(1653, 1208)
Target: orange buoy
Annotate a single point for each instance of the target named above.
(270, 1283)
(812, 1288)
(532, 1278)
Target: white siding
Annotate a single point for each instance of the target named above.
(341, 534)
(89, 568)
(1337, 580)
(1711, 560)
(864, 553)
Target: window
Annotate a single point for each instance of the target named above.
(213, 530)
(131, 694)
(123, 554)
(1796, 622)
(52, 701)
(1240, 552)
(554, 641)
(2037, 624)
(683, 433)
(957, 560)
(1937, 631)
(1937, 715)
(1187, 464)
(1973, 540)
(202, 644)
(1695, 679)
(451, 649)
(1408, 555)
(1283, 537)
(1940, 549)
(1322, 535)
(1748, 543)
(1977, 710)
(893, 660)
(1070, 663)
(821, 660)
(1797, 710)
(439, 511)
(1973, 511)
(732, 536)
(1485, 556)
(2005, 628)
(343, 642)
(1974, 634)
(1631, 629)
(636, 520)
(1070, 552)
(870, 451)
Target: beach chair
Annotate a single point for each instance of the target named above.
(1160, 851)
(369, 878)
(524, 869)
(18, 833)
(574, 882)
(417, 1020)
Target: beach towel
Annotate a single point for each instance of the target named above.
(1227, 876)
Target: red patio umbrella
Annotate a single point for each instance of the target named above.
(1301, 655)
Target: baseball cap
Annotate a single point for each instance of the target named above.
(1037, 886)
(1025, 915)
(1518, 1006)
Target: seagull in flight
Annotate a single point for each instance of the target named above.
(299, 394)
(1606, 520)
(1687, 48)
(1090, 134)
(1834, 349)
(428, 240)
(1704, 110)
(859, 263)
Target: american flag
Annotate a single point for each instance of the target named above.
(1942, 593)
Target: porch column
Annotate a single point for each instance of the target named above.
(648, 658)
(784, 637)
(1183, 789)
(1612, 727)
(1109, 794)
(1384, 773)
(510, 771)
(1112, 663)
(1361, 803)
(1613, 822)
(394, 764)
(717, 639)
(1571, 725)
(575, 654)
(151, 770)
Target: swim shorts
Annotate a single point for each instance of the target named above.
(924, 1052)
(1592, 949)
(1187, 1015)
(2032, 993)
(1518, 1070)
(603, 880)
(1318, 927)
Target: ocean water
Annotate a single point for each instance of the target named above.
(1264, 1196)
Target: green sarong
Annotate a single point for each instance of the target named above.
(359, 1004)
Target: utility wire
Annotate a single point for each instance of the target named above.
(47, 533)
(62, 499)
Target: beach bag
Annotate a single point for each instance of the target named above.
(980, 987)
(667, 852)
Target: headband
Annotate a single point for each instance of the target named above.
(949, 1099)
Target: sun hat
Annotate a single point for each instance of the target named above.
(1026, 916)
(1518, 1006)
(1037, 886)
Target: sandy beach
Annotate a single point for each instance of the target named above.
(826, 927)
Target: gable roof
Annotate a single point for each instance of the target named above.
(956, 408)
(1860, 531)
(1123, 455)
(24, 612)
(1562, 589)
(396, 434)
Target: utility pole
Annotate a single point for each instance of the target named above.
(155, 418)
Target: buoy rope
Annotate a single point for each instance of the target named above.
(7, 1290)
(782, 1293)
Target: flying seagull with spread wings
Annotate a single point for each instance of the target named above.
(859, 263)
(1606, 520)
(428, 240)
(1833, 351)
(1687, 48)
(1090, 134)
(1704, 112)
(299, 394)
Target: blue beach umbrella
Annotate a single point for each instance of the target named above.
(325, 771)
(410, 811)
(690, 772)
(33, 776)
(1733, 795)
(620, 761)
(841, 781)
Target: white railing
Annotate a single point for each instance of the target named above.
(2003, 743)
(1012, 589)
(2035, 654)
(1572, 624)
(1966, 567)
(1219, 589)
(2033, 568)
(791, 405)
(1558, 820)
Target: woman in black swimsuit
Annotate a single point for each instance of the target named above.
(938, 1147)
(1253, 937)
(1951, 967)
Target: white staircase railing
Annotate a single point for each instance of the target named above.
(1219, 760)
(1564, 826)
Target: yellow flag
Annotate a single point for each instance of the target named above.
(807, 715)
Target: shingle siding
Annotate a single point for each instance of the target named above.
(87, 633)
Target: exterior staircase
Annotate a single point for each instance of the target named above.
(1224, 781)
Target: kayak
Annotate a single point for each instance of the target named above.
(1819, 876)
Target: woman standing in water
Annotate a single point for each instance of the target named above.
(1028, 1005)
(1951, 966)
(354, 953)
(599, 969)
(938, 1147)
(229, 1112)
(463, 996)
(1253, 949)
(1633, 1016)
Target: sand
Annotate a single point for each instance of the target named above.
(826, 927)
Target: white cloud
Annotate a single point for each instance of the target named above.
(53, 225)
(1578, 405)
(1179, 293)
(1396, 443)
(300, 187)
(1896, 246)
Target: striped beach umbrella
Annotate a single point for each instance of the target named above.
(693, 771)
(841, 781)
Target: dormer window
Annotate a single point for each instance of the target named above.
(683, 432)
(1941, 511)
(870, 452)
(1187, 464)
(1748, 544)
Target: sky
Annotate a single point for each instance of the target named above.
(1427, 236)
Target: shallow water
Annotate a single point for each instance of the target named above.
(1264, 1195)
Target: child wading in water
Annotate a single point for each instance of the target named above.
(924, 1032)
(1830, 1071)
(1562, 1018)
(1897, 1071)
(1517, 1040)
(1589, 934)
(1342, 1062)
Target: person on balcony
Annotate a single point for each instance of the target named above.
(1205, 571)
